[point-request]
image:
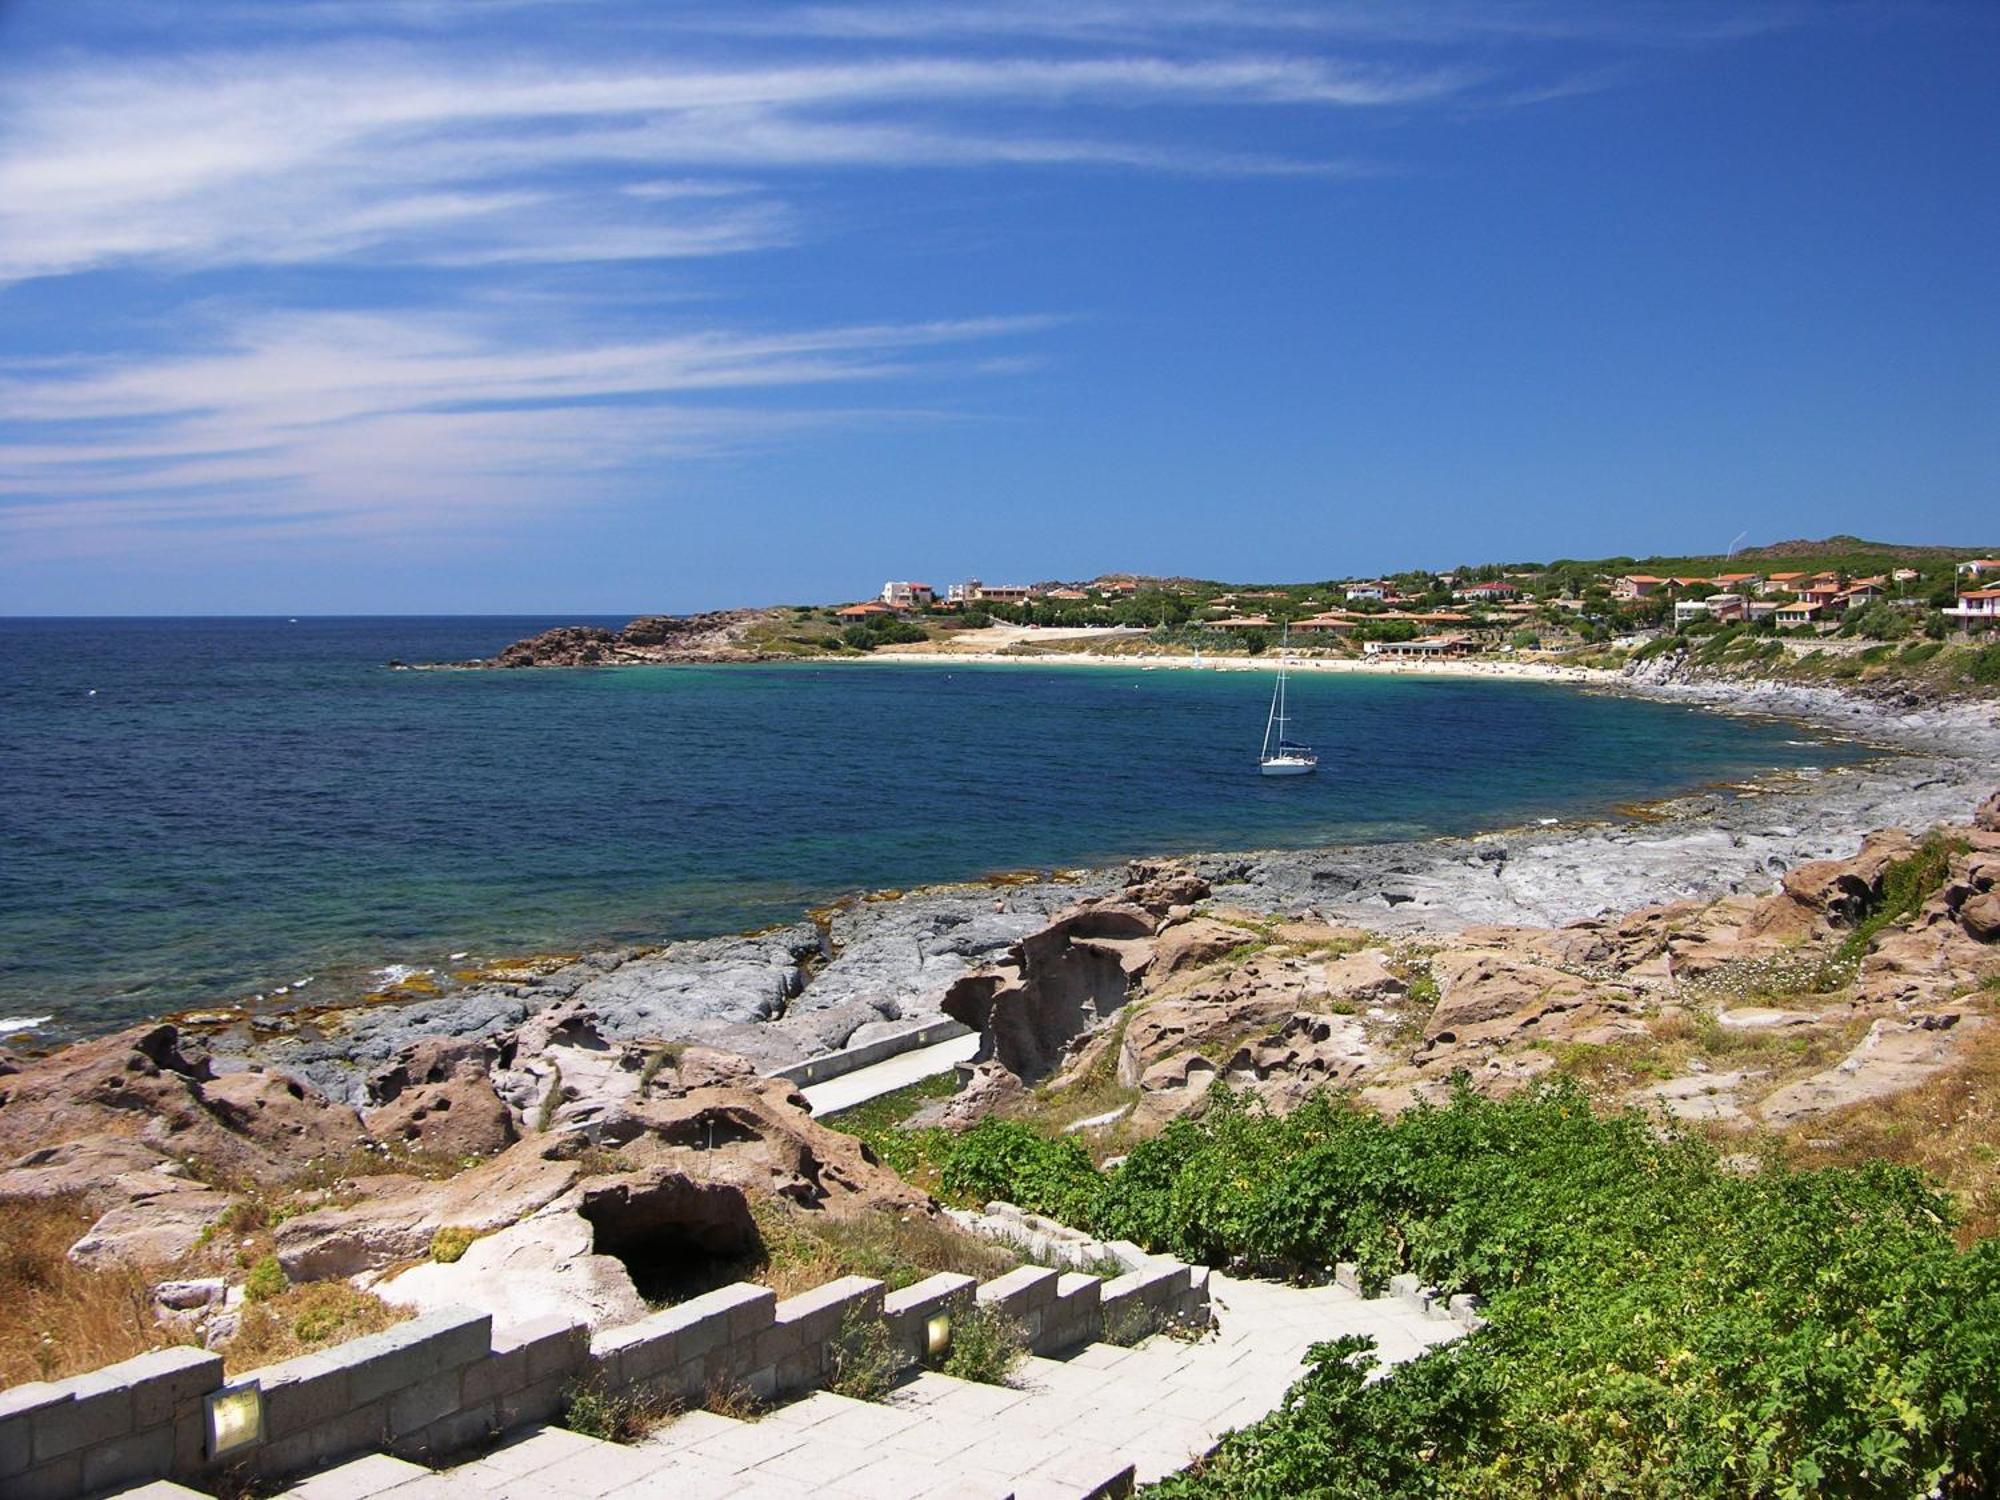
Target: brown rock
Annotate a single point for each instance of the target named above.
(1363, 977)
(396, 1216)
(991, 1090)
(1829, 892)
(1255, 997)
(161, 1228)
(438, 1096)
(1987, 818)
(760, 1137)
(282, 1115)
(93, 1167)
(1159, 886)
(1492, 999)
(1055, 985)
(1980, 916)
(1895, 1055)
(1193, 944)
(151, 1086)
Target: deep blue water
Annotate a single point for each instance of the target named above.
(242, 803)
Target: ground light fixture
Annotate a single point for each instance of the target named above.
(937, 1334)
(235, 1418)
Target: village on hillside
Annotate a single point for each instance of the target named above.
(1469, 610)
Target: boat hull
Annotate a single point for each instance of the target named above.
(1287, 765)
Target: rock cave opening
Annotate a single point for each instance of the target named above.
(676, 1238)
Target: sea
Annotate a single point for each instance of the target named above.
(202, 811)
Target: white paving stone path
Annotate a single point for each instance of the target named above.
(1065, 1429)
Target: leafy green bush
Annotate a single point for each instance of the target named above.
(1659, 1325)
(266, 1280)
(882, 630)
(1006, 1159)
(1983, 666)
(985, 1346)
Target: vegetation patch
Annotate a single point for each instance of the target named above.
(625, 1416)
(986, 1346)
(300, 1319)
(65, 1319)
(1660, 1324)
(803, 1249)
(862, 1358)
(266, 1280)
(450, 1243)
(1906, 885)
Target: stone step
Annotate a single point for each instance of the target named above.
(359, 1479)
(1086, 1426)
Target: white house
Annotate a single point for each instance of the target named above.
(1715, 606)
(908, 595)
(1976, 605)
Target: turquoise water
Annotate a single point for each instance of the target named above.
(243, 803)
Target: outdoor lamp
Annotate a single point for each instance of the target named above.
(235, 1418)
(937, 1333)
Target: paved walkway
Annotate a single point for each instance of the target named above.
(1065, 1429)
(890, 1074)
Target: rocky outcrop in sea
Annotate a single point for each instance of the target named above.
(716, 636)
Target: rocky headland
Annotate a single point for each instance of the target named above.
(650, 640)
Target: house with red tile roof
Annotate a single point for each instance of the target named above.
(1976, 606)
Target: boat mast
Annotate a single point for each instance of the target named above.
(1278, 715)
(1273, 718)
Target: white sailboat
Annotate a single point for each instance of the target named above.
(1280, 757)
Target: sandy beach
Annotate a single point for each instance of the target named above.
(1002, 646)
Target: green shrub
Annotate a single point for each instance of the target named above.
(451, 1242)
(611, 1416)
(1006, 1159)
(863, 1359)
(266, 1280)
(985, 1346)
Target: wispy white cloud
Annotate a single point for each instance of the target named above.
(345, 423)
(339, 152)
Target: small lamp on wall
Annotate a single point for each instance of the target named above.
(235, 1418)
(937, 1334)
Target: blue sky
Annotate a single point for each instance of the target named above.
(579, 305)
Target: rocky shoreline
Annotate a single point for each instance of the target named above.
(876, 964)
(560, 1131)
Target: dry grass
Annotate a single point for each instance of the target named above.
(803, 1250)
(304, 1318)
(63, 1319)
(1947, 1126)
(1679, 1039)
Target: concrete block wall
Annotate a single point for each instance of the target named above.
(442, 1383)
(117, 1426)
